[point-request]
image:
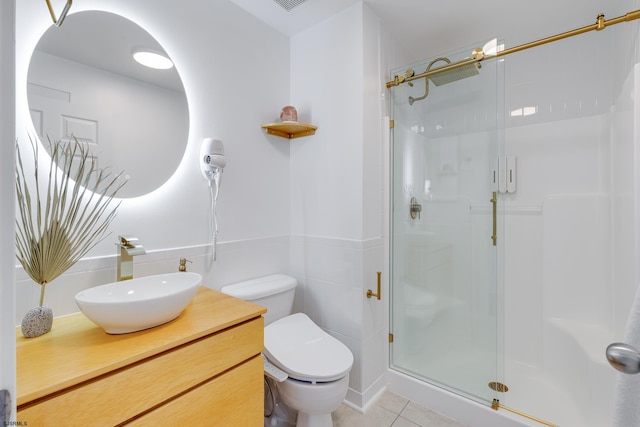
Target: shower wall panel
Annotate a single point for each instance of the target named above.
(559, 285)
(576, 266)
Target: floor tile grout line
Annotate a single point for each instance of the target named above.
(399, 413)
(404, 407)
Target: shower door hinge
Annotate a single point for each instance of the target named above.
(390, 337)
(391, 124)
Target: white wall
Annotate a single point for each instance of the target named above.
(336, 188)
(7, 191)
(235, 70)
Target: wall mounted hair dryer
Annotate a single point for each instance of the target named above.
(212, 162)
(212, 158)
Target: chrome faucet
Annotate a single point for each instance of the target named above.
(129, 247)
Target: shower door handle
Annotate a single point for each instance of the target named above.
(494, 203)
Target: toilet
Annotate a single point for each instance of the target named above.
(315, 364)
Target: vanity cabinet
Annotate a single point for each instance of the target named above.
(205, 367)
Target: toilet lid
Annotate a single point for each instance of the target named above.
(304, 351)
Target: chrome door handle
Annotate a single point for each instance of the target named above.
(623, 357)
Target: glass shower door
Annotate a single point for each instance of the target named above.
(445, 148)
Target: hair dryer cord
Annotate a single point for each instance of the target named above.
(214, 186)
(213, 223)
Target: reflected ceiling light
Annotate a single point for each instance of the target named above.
(152, 59)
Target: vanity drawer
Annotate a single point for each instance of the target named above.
(233, 399)
(123, 394)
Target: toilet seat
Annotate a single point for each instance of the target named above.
(304, 351)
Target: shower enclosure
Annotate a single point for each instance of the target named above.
(446, 147)
(506, 208)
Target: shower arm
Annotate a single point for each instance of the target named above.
(410, 73)
(478, 55)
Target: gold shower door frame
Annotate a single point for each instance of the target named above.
(445, 301)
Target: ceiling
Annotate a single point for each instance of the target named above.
(428, 27)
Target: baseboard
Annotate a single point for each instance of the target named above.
(361, 402)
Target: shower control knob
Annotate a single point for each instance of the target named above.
(624, 358)
(414, 208)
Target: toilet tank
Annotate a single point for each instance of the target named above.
(274, 292)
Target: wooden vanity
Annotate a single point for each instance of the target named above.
(203, 368)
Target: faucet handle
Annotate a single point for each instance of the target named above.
(128, 241)
(183, 264)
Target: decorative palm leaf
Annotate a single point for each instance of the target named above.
(56, 228)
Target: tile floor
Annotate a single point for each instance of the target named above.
(392, 411)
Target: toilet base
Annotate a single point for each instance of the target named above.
(314, 402)
(314, 420)
(277, 413)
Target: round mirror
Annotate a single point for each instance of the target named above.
(84, 84)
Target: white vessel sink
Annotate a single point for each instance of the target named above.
(140, 303)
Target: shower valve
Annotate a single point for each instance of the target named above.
(414, 208)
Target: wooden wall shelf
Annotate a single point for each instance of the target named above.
(289, 130)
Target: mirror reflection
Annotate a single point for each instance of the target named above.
(83, 82)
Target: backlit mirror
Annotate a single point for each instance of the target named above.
(83, 82)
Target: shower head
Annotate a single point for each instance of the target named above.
(453, 74)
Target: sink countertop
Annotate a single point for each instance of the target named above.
(77, 345)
